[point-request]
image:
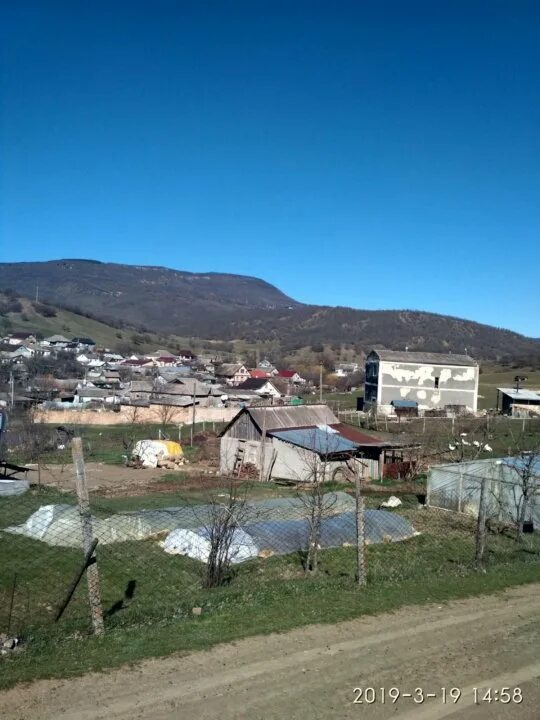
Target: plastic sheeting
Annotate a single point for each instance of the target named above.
(196, 516)
(281, 537)
(268, 527)
(196, 544)
(152, 452)
(60, 525)
(13, 487)
(457, 486)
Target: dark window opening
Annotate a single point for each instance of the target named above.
(436, 383)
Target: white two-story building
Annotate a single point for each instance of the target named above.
(426, 380)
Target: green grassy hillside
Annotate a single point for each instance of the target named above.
(71, 324)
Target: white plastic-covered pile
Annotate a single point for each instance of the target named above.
(151, 453)
(196, 544)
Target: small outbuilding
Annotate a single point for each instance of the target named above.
(518, 401)
(299, 443)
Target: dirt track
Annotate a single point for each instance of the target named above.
(490, 641)
(112, 479)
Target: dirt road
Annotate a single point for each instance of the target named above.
(113, 479)
(491, 641)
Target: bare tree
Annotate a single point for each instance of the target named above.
(317, 462)
(224, 519)
(132, 413)
(166, 415)
(515, 491)
(527, 469)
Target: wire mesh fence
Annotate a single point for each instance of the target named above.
(160, 557)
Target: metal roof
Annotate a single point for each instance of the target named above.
(425, 358)
(317, 440)
(292, 416)
(360, 438)
(57, 338)
(254, 383)
(404, 403)
(521, 394)
(227, 369)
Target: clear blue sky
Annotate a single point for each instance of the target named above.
(378, 155)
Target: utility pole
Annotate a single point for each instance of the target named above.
(320, 382)
(12, 389)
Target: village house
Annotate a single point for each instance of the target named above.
(57, 341)
(291, 376)
(258, 373)
(87, 394)
(346, 369)
(301, 443)
(84, 343)
(232, 373)
(433, 381)
(18, 338)
(105, 378)
(180, 392)
(89, 360)
(137, 363)
(262, 386)
(186, 356)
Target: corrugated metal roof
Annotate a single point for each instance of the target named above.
(253, 383)
(292, 416)
(227, 369)
(521, 394)
(360, 438)
(316, 440)
(425, 358)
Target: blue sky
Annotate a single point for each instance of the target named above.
(377, 155)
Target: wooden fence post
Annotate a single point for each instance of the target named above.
(360, 528)
(481, 525)
(92, 573)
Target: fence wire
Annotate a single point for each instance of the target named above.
(154, 553)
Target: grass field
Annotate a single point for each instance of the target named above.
(263, 595)
(109, 443)
(493, 377)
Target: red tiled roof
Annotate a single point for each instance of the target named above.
(259, 373)
(286, 373)
(136, 362)
(356, 436)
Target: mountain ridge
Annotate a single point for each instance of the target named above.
(228, 306)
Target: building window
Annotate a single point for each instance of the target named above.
(436, 383)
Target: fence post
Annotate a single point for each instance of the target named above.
(92, 573)
(481, 525)
(193, 413)
(360, 529)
